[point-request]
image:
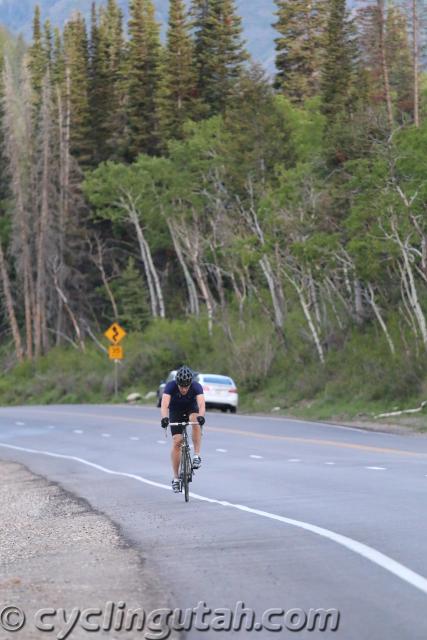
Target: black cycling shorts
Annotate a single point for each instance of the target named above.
(177, 415)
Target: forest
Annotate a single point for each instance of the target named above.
(269, 228)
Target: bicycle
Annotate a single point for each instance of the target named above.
(186, 470)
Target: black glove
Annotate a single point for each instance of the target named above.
(165, 422)
(201, 420)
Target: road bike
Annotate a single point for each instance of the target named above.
(186, 471)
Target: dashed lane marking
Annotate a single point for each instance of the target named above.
(221, 450)
(106, 435)
(256, 457)
(369, 553)
(133, 438)
(78, 431)
(377, 468)
(20, 424)
(252, 434)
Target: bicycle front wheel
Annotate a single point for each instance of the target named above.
(186, 470)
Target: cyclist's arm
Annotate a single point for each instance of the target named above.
(164, 409)
(201, 404)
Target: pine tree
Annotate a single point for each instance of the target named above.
(338, 65)
(58, 60)
(219, 51)
(77, 70)
(99, 90)
(143, 74)
(38, 57)
(177, 100)
(48, 42)
(301, 26)
(398, 54)
(111, 28)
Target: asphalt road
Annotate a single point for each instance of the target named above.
(284, 515)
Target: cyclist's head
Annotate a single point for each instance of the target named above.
(184, 376)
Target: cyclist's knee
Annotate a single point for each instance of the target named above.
(177, 440)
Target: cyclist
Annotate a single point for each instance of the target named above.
(183, 401)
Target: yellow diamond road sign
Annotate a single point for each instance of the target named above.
(115, 333)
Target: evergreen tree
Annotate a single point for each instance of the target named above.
(38, 57)
(301, 26)
(399, 59)
(58, 60)
(99, 90)
(77, 66)
(111, 26)
(132, 297)
(143, 74)
(178, 90)
(48, 42)
(219, 51)
(339, 62)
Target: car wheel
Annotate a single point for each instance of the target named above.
(224, 409)
(233, 409)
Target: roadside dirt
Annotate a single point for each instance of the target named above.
(56, 553)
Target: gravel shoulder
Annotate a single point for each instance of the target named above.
(58, 553)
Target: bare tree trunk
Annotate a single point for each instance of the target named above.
(10, 308)
(204, 289)
(384, 65)
(64, 117)
(40, 291)
(99, 261)
(358, 302)
(412, 294)
(17, 141)
(275, 294)
(68, 309)
(156, 280)
(308, 316)
(192, 291)
(191, 242)
(380, 319)
(409, 286)
(128, 203)
(416, 62)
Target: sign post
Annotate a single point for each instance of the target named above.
(115, 335)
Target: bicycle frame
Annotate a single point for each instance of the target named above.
(186, 466)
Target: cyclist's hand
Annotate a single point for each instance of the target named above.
(201, 420)
(165, 422)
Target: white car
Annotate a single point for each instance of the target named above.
(219, 391)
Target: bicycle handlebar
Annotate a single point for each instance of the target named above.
(183, 424)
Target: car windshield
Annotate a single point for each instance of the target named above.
(218, 380)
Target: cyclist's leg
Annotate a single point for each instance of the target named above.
(196, 435)
(176, 454)
(176, 442)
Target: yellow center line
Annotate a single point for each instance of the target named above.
(248, 434)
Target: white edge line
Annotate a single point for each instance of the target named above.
(376, 557)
